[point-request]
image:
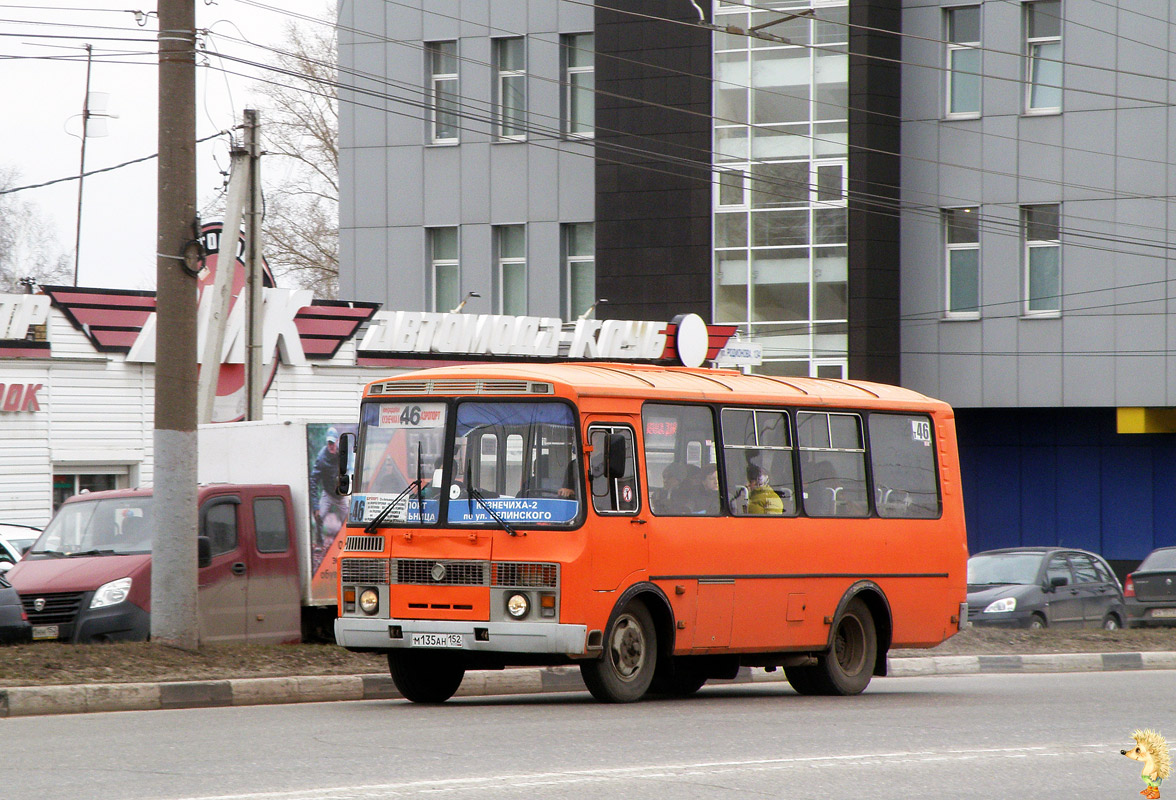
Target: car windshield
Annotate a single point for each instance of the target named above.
(1002, 568)
(1159, 560)
(110, 526)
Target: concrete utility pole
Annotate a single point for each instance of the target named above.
(254, 361)
(174, 615)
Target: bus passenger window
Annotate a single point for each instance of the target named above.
(615, 494)
(832, 464)
(902, 455)
(757, 455)
(679, 451)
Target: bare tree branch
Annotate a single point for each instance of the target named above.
(28, 245)
(300, 128)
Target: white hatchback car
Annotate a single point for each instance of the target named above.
(14, 541)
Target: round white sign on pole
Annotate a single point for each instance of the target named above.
(692, 340)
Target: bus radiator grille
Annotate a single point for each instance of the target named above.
(433, 572)
(523, 574)
(364, 570)
(365, 544)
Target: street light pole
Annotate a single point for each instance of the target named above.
(82, 169)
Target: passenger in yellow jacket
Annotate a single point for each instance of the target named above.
(761, 498)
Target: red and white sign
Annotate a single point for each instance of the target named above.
(421, 334)
(19, 397)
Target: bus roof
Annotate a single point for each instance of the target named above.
(611, 379)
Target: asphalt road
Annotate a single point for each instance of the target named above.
(985, 736)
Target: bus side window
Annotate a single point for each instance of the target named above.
(832, 464)
(757, 455)
(616, 494)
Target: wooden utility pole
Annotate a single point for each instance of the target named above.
(174, 614)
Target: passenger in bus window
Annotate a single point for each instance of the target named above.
(568, 490)
(761, 497)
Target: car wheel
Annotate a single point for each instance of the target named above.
(846, 669)
(1037, 623)
(626, 670)
(425, 677)
(678, 677)
(1111, 623)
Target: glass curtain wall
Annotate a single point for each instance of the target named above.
(780, 149)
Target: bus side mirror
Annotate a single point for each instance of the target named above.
(203, 552)
(617, 457)
(346, 447)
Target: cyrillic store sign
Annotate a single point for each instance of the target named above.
(687, 340)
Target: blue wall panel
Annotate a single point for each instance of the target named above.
(1079, 498)
(1126, 502)
(1065, 476)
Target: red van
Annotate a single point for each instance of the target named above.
(88, 576)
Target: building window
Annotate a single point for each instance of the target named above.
(443, 105)
(510, 89)
(963, 61)
(580, 268)
(1043, 50)
(579, 85)
(510, 243)
(445, 268)
(963, 261)
(78, 480)
(780, 144)
(1043, 257)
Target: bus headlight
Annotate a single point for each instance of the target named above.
(517, 605)
(369, 601)
(112, 593)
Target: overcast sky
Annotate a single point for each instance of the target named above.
(41, 94)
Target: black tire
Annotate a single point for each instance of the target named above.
(1111, 623)
(847, 667)
(802, 679)
(680, 676)
(1037, 623)
(625, 672)
(425, 677)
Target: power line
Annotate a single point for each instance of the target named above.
(99, 171)
(876, 201)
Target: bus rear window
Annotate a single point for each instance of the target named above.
(902, 456)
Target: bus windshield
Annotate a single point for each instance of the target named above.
(514, 463)
(113, 526)
(400, 463)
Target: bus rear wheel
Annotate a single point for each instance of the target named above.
(679, 676)
(425, 677)
(849, 664)
(626, 670)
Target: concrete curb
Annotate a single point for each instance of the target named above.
(26, 701)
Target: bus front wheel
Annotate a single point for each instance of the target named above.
(626, 670)
(425, 677)
(846, 668)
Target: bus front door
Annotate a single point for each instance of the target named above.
(618, 540)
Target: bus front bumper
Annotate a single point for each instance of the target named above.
(356, 633)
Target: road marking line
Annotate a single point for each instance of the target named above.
(658, 771)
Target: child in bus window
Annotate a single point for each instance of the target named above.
(761, 497)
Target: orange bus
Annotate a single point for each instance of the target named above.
(657, 526)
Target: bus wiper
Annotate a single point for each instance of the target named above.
(477, 495)
(388, 509)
